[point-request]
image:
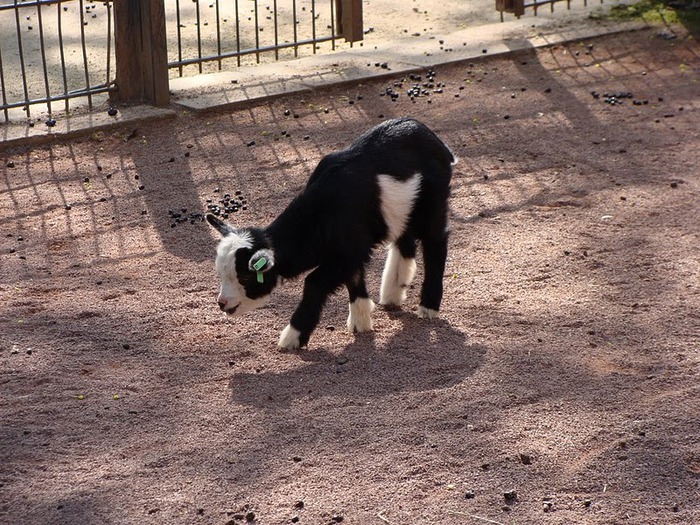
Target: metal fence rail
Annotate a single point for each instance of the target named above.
(518, 7)
(60, 54)
(210, 33)
(55, 38)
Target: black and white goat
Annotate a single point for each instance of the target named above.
(389, 186)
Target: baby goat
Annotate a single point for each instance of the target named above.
(389, 186)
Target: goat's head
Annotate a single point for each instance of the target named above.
(245, 262)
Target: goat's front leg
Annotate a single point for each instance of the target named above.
(361, 306)
(318, 285)
(434, 258)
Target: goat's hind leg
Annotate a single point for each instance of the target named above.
(361, 306)
(434, 259)
(399, 271)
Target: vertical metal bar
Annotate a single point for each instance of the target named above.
(62, 54)
(2, 89)
(109, 41)
(199, 36)
(332, 6)
(42, 48)
(218, 33)
(257, 34)
(21, 58)
(238, 35)
(296, 36)
(274, 15)
(179, 35)
(313, 25)
(85, 58)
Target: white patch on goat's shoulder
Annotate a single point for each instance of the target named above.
(397, 198)
(289, 338)
(360, 318)
(396, 278)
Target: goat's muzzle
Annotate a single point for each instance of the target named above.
(228, 311)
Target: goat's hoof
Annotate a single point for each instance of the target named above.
(360, 318)
(390, 307)
(359, 328)
(393, 300)
(289, 338)
(426, 313)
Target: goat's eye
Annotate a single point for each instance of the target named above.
(246, 276)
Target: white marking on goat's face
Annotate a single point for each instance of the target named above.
(397, 199)
(232, 295)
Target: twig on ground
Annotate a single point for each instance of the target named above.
(474, 516)
(385, 520)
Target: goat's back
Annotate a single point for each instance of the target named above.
(398, 147)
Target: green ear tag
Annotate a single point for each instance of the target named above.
(259, 265)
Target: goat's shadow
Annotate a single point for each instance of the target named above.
(423, 355)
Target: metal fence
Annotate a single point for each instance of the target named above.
(214, 32)
(61, 54)
(48, 54)
(518, 7)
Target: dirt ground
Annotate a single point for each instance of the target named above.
(559, 386)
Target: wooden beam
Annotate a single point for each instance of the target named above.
(349, 19)
(159, 94)
(141, 52)
(517, 7)
(127, 50)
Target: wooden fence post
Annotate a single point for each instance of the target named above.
(517, 7)
(141, 52)
(349, 17)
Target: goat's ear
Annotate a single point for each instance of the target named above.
(223, 228)
(262, 261)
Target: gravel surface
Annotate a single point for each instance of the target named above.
(559, 386)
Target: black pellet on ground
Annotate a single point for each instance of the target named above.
(510, 496)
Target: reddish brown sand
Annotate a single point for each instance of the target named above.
(564, 366)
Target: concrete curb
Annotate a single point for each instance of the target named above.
(16, 135)
(227, 90)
